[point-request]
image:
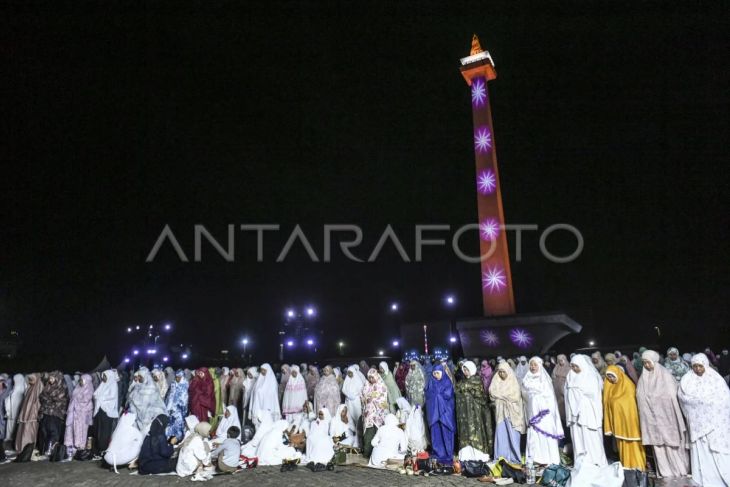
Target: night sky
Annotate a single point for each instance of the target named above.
(118, 120)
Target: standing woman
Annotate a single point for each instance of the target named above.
(621, 418)
(106, 410)
(486, 373)
(675, 364)
(327, 393)
(544, 427)
(509, 414)
(201, 394)
(252, 375)
(27, 431)
(473, 417)
(560, 374)
(440, 414)
(705, 400)
(401, 372)
(416, 384)
(6, 387)
(295, 395)
(312, 380)
(265, 394)
(177, 406)
(662, 424)
(584, 410)
(235, 389)
(285, 374)
(393, 391)
(218, 399)
(12, 405)
(144, 400)
(352, 389)
(374, 409)
(160, 381)
(79, 415)
(54, 403)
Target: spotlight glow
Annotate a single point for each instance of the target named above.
(310, 311)
(129, 329)
(452, 339)
(494, 280)
(380, 352)
(165, 359)
(168, 327)
(478, 92)
(489, 229)
(135, 352)
(137, 327)
(520, 337)
(486, 182)
(126, 360)
(290, 343)
(450, 300)
(482, 140)
(395, 343)
(151, 351)
(394, 307)
(184, 356)
(310, 342)
(290, 313)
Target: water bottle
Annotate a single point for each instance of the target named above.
(530, 468)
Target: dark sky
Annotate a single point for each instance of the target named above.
(116, 121)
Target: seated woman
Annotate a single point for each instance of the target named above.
(194, 451)
(272, 450)
(342, 428)
(230, 418)
(320, 447)
(156, 453)
(389, 442)
(228, 453)
(265, 422)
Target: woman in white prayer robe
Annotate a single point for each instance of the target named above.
(342, 429)
(320, 447)
(265, 394)
(295, 395)
(272, 450)
(584, 410)
(265, 422)
(544, 427)
(352, 389)
(705, 400)
(389, 442)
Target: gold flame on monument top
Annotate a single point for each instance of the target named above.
(476, 48)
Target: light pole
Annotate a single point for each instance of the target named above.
(450, 302)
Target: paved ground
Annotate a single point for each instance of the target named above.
(90, 474)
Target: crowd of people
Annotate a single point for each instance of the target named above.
(667, 413)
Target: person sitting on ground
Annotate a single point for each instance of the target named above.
(156, 454)
(228, 453)
(194, 451)
(390, 442)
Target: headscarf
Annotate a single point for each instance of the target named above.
(400, 376)
(295, 393)
(601, 365)
(7, 388)
(160, 381)
(169, 376)
(507, 398)
(225, 423)
(285, 374)
(540, 403)
(637, 359)
(440, 399)
(389, 380)
(610, 359)
(628, 366)
(620, 413)
(416, 384)
(201, 394)
(677, 367)
(54, 396)
(312, 379)
(337, 426)
(81, 403)
(661, 418)
(327, 392)
(248, 384)
(560, 373)
(352, 389)
(28, 413)
(705, 401)
(70, 384)
(364, 368)
(521, 369)
(486, 374)
(235, 388)
(583, 393)
(265, 394)
(13, 402)
(145, 400)
(319, 442)
(178, 398)
(374, 400)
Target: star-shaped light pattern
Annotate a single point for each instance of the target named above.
(483, 140)
(494, 280)
(520, 338)
(478, 92)
(486, 182)
(489, 338)
(489, 229)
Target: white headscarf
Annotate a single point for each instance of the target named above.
(521, 370)
(106, 395)
(15, 400)
(705, 401)
(539, 397)
(337, 426)
(471, 367)
(221, 430)
(583, 394)
(248, 387)
(265, 394)
(295, 393)
(320, 448)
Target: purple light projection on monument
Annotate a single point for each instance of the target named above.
(520, 338)
(478, 92)
(489, 229)
(494, 280)
(482, 140)
(489, 338)
(486, 182)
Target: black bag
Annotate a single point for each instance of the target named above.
(25, 454)
(58, 453)
(637, 478)
(424, 465)
(509, 472)
(83, 455)
(474, 468)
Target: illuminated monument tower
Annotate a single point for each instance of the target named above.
(501, 330)
(497, 295)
